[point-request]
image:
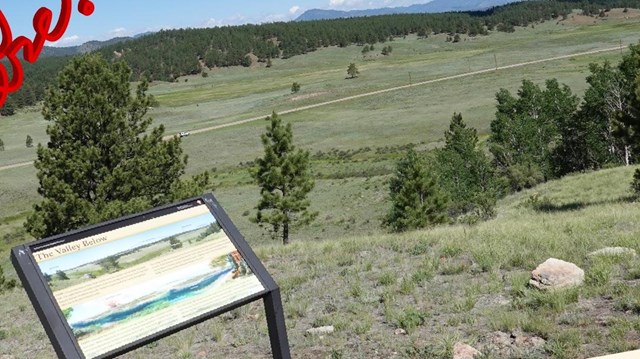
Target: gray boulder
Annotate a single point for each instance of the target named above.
(555, 273)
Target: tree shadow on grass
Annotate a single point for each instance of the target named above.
(550, 207)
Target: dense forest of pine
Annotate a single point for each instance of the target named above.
(169, 54)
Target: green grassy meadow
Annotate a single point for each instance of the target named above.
(440, 286)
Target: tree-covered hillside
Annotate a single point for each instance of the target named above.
(169, 54)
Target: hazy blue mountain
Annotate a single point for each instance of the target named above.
(431, 7)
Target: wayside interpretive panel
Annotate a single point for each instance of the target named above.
(113, 287)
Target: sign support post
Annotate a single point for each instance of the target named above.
(276, 325)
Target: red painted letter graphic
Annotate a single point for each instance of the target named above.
(31, 49)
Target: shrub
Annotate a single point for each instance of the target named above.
(635, 183)
(6, 284)
(295, 87)
(410, 319)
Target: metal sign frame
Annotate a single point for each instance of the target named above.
(60, 333)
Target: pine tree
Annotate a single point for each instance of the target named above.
(465, 172)
(61, 275)
(459, 138)
(8, 109)
(1, 145)
(284, 179)
(29, 141)
(100, 161)
(352, 70)
(295, 87)
(417, 201)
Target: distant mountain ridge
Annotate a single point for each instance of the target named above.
(434, 6)
(87, 47)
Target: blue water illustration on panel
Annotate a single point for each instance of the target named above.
(173, 296)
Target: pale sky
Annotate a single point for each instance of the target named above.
(113, 18)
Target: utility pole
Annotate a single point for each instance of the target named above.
(620, 46)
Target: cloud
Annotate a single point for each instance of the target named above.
(233, 20)
(274, 18)
(212, 23)
(241, 19)
(67, 41)
(119, 32)
(361, 4)
(346, 4)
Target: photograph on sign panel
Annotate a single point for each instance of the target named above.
(129, 283)
(82, 266)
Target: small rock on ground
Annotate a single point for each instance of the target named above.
(555, 273)
(506, 345)
(320, 330)
(464, 351)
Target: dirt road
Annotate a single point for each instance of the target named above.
(373, 93)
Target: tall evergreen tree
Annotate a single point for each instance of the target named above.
(466, 173)
(1, 145)
(284, 178)
(416, 198)
(100, 162)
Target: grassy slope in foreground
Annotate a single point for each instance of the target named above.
(441, 285)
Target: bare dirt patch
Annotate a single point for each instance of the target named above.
(306, 96)
(620, 14)
(254, 60)
(614, 14)
(576, 19)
